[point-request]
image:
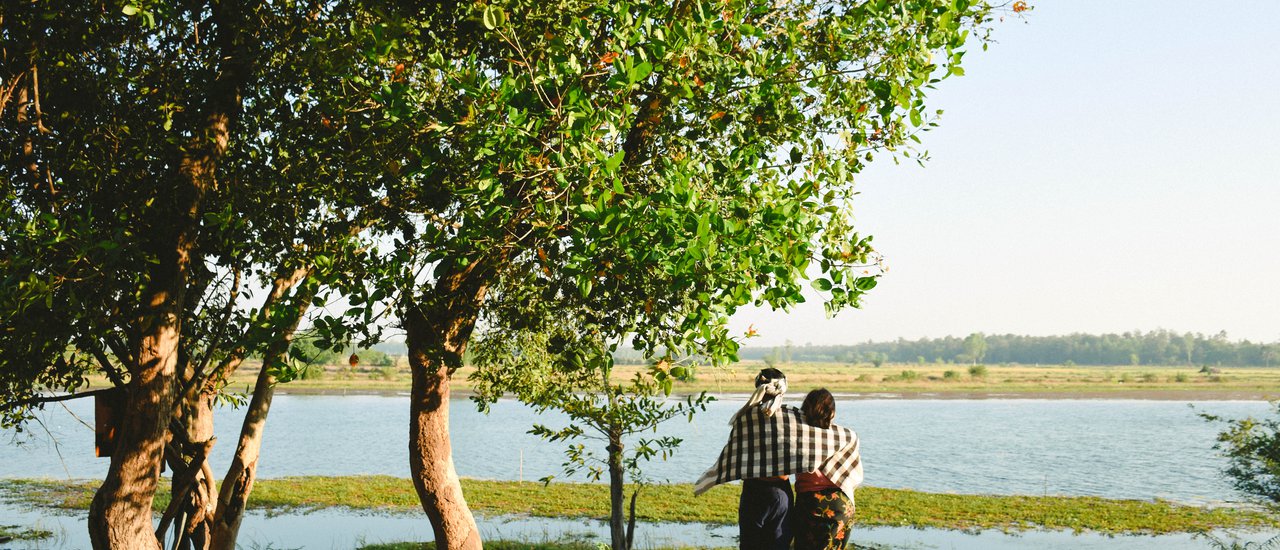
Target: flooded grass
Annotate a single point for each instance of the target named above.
(18, 532)
(676, 503)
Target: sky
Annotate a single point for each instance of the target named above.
(1104, 167)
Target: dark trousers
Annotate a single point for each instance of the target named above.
(762, 515)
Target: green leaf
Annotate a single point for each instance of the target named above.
(612, 163)
(641, 71)
(130, 9)
(822, 284)
(493, 17)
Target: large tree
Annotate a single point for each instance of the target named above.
(168, 162)
(657, 163)
(115, 126)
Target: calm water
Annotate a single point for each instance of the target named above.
(1109, 448)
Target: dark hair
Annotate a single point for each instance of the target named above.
(768, 374)
(819, 408)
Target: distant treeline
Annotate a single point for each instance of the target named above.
(1160, 347)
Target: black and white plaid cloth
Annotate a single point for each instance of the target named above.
(763, 445)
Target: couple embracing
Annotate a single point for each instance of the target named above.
(769, 442)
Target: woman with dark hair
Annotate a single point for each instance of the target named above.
(823, 514)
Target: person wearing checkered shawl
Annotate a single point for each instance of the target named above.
(770, 441)
(823, 513)
(765, 505)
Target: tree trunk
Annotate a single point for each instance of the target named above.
(194, 490)
(120, 514)
(437, 329)
(617, 526)
(431, 458)
(233, 497)
(238, 483)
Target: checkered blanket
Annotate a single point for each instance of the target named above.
(763, 445)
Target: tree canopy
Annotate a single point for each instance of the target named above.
(649, 166)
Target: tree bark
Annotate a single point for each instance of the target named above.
(233, 497)
(194, 491)
(238, 483)
(436, 331)
(120, 515)
(617, 530)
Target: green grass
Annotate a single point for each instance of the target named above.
(676, 503)
(18, 532)
(517, 545)
(489, 545)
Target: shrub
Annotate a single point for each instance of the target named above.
(904, 376)
(1149, 377)
(978, 371)
(1125, 378)
(1252, 448)
(863, 378)
(1181, 377)
(950, 375)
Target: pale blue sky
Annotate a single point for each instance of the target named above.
(1106, 166)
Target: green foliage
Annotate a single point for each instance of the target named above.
(978, 371)
(127, 101)
(1232, 543)
(975, 347)
(1252, 448)
(950, 375)
(565, 369)
(878, 359)
(661, 164)
(904, 376)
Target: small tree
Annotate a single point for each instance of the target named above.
(571, 370)
(975, 347)
(1252, 448)
(878, 358)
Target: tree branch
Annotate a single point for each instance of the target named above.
(41, 399)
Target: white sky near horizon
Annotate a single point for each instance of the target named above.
(1104, 167)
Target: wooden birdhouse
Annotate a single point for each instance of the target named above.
(108, 412)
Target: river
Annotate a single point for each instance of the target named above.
(1108, 448)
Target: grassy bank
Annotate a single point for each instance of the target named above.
(676, 503)
(18, 532)
(907, 379)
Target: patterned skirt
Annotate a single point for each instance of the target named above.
(823, 520)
